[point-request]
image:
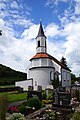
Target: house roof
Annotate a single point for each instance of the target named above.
(45, 55)
(40, 32)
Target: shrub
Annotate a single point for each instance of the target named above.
(44, 95)
(34, 102)
(77, 94)
(16, 116)
(76, 116)
(50, 96)
(22, 109)
(3, 106)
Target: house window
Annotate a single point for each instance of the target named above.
(38, 43)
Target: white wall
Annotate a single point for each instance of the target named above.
(24, 84)
(41, 62)
(41, 76)
(66, 78)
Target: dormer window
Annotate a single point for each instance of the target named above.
(38, 43)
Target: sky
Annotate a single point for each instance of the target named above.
(19, 22)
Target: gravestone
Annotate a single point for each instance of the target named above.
(36, 94)
(62, 97)
(39, 88)
(30, 88)
(32, 93)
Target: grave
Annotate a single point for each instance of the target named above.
(62, 97)
(32, 93)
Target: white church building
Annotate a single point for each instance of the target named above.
(44, 67)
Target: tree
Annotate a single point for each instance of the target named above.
(63, 61)
(73, 78)
(56, 82)
(3, 106)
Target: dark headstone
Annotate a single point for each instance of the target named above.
(39, 88)
(62, 89)
(30, 88)
(62, 97)
(37, 94)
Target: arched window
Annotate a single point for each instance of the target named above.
(38, 43)
(45, 44)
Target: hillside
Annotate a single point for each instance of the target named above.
(8, 76)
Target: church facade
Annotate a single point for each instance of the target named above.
(44, 67)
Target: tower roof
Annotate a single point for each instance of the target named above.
(40, 32)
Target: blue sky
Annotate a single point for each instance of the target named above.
(19, 21)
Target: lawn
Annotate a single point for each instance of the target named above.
(15, 97)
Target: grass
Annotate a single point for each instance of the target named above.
(15, 97)
(4, 86)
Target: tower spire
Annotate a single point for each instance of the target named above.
(41, 40)
(40, 32)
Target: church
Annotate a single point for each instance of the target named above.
(44, 68)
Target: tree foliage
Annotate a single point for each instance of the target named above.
(56, 82)
(73, 78)
(63, 61)
(9, 76)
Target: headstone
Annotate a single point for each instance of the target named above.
(30, 88)
(62, 97)
(39, 88)
(37, 94)
(62, 89)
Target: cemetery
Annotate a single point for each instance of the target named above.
(34, 107)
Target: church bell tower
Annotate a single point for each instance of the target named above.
(41, 41)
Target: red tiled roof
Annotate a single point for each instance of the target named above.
(45, 55)
(40, 55)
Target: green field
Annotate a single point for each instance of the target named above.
(4, 86)
(14, 97)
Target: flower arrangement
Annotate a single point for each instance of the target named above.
(16, 116)
(12, 109)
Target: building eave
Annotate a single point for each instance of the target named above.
(45, 55)
(41, 67)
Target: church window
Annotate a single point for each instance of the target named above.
(45, 44)
(38, 43)
(51, 75)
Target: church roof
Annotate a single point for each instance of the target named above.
(40, 32)
(45, 55)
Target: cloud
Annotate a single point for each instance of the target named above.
(52, 30)
(18, 43)
(14, 5)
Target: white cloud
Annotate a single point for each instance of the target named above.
(16, 52)
(52, 30)
(77, 7)
(31, 32)
(14, 5)
(72, 45)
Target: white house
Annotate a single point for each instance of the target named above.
(44, 67)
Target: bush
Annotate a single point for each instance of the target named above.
(50, 96)
(3, 106)
(77, 94)
(34, 102)
(16, 116)
(22, 109)
(44, 95)
(76, 116)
